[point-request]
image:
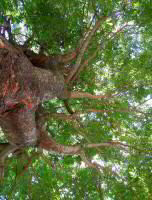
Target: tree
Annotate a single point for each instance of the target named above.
(75, 80)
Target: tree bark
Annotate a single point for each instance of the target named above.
(22, 88)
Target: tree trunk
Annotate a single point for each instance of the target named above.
(22, 88)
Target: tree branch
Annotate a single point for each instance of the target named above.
(85, 44)
(100, 46)
(89, 163)
(45, 116)
(49, 144)
(69, 109)
(66, 58)
(115, 110)
(75, 95)
(6, 150)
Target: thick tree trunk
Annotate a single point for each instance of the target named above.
(22, 88)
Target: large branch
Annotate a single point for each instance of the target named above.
(66, 58)
(6, 149)
(61, 116)
(102, 45)
(69, 109)
(49, 144)
(80, 95)
(83, 48)
(75, 115)
(114, 110)
(44, 61)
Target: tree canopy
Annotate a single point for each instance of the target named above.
(81, 128)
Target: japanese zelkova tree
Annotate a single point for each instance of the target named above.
(76, 99)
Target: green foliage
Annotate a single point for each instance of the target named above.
(121, 70)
